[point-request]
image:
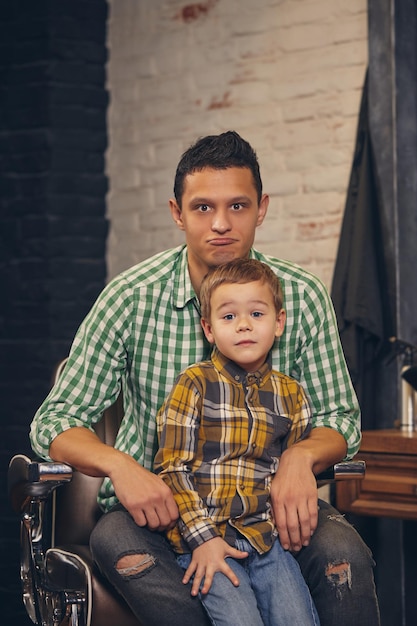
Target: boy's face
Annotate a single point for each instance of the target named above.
(219, 214)
(244, 323)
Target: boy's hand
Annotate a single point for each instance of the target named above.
(208, 559)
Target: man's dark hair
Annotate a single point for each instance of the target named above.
(218, 152)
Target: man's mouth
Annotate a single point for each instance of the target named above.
(221, 241)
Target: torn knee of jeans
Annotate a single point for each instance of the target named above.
(336, 518)
(339, 575)
(135, 564)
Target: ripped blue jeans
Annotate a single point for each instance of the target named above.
(272, 590)
(337, 566)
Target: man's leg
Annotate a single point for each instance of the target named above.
(338, 568)
(142, 567)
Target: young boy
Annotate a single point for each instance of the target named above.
(222, 431)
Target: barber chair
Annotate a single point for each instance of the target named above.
(58, 510)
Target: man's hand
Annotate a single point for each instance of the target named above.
(147, 498)
(294, 501)
(294, 488)
(208, 559)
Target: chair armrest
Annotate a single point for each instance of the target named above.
(34, 480)
(345, 470)
(69, 567)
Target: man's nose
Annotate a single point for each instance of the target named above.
(221, 221)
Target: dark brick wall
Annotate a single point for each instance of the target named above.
(53, 228)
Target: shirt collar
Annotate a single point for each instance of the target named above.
(183, 291)
(238, 375)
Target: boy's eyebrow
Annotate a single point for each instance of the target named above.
(228, 303)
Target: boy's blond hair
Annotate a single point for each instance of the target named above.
(239, 271)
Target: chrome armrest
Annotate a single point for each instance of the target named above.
(345, 470)
(30, 485)
(34, 480)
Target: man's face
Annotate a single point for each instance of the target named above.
(219, 215)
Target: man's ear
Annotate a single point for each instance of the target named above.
(176, 213)
(207, 330)
(262, 209)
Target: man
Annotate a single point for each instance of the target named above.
(142, 331)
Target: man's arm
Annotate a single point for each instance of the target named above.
(144, 495)
(294, 487)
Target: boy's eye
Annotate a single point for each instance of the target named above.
(257, 314)
(229, 316)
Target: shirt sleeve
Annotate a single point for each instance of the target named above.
(323, 370)
(301, 415)
(91, 380)
(178, 428)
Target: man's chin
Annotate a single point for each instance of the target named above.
(223, 256)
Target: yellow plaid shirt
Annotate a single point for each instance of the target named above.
(222, 432)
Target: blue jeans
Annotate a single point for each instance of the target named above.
(271, 592)
(337, 567)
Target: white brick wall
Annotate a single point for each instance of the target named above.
(286, 74)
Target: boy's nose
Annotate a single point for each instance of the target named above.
(244, 324)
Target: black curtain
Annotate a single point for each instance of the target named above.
(360, 283)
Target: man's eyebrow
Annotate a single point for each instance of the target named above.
(207, 200)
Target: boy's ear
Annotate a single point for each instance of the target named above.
(207, 330)
(280, 323)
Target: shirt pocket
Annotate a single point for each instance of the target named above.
(280, 427)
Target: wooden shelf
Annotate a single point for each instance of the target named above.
(389, 488)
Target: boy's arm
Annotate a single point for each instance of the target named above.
(178, 423)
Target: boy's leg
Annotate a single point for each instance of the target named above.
(280, 589)
(226, 604)
(142, 567)
(338, 568)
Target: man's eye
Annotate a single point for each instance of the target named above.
(203, 208)
(237, 206)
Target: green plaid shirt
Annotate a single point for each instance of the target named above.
(144, 329)
(222, 432)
